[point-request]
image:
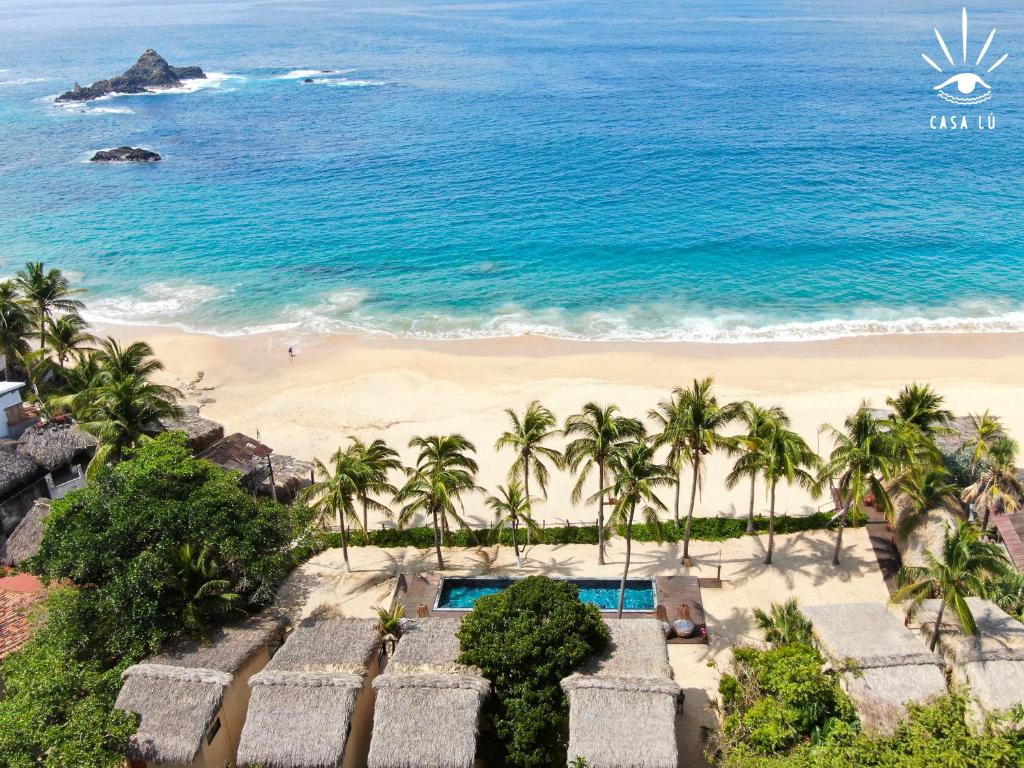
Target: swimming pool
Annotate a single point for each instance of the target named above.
(460, 593)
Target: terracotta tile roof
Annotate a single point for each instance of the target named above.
(18, 594)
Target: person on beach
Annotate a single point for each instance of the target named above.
(291, 352)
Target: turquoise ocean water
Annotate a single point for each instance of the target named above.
(654, 170)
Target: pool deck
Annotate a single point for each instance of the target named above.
(418, 593)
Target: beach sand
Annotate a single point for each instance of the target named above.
(393, 389)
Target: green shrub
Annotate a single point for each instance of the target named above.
(526, 639)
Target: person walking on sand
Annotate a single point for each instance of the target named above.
(291, 352)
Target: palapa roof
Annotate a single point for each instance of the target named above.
(302, 702)
(201, 432)
(427, 710)
(630, 676)
(56, 445)
(892, 665)
(178, 692)
(17, 471)
(26, 538)
(239, 453)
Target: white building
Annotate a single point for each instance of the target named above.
(13, 418)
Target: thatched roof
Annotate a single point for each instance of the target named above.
(239, 453)
(291, 475)
(632, 675)
(990, 662)
(893, 666)
(56, 445)
(958, 432)
(25, 540)
(427, 710)
(302, 702)
(178, 692)
(201, 432)
(17, 471)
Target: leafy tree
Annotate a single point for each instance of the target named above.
(998, 487)
(15, 324)
(595, 435)
(783, 624)
(637, 478)
(444, 471)
(959, 570)
(511, 508)
(378, 460)
(49, 291)
(200, 583)
(526, 639)
(1006, 590)
(921, 406)
(527, 438)
(702, 419)
(758, 421)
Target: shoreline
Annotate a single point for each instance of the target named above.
(340, 385)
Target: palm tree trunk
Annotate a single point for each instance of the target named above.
(526, 486)
(839, 535)
(938, 623)
(437, 539)
(679, 482)
(689, 514)
(984, 519)
(750, 512)
(600, 514)
(42, 325)
(515, 540)
(625, 571)
(9, 363)
(366, 525)
(771, 527)
(344, 541)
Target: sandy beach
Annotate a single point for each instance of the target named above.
(393, 389)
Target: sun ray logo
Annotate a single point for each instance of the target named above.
(961, 86)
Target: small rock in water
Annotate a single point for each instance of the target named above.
(308, 80)
(125, 155)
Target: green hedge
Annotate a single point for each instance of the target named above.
(704, 529)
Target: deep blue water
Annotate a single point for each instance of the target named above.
(604, 593)
(709, 169)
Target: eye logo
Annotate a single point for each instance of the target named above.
(965, 87)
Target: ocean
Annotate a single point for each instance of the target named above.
(714, 171)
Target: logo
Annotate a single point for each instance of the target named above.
(965, 83)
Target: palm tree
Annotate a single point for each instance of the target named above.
(864, 455)
(785, 456)
(67, 336)
(378, 460)
(15, 325)
(758, 422)
(1006, 591)
(443, 473)
(527, 437)
(48, 291)
(987, 428)
(336, 489)
(135, 359)
(783, 624)
(960, 569)
(927, 487)
(997, 487)
(921, 406)
(199, 581)
(702, 419)
(511, 507)
(637, 478)
(670, 416)
(595, 435)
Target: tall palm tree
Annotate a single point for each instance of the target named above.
(997, 488)
(378, 460)
(67, 335)
(135, 359)
(49, 291)
(444, 472)
(958, 571)
(511, 508)
(703, 418)
(335, 491)
(783, 624)
(758, 422)
(987, 428)
(670, 416)
(785, 457)
(637, 478)
(595, 435)
(15, 325)
(527, 436)
(921, 406)
(928, 487)
(865, 454)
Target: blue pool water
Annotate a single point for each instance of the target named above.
(620, 169)
(462, 593)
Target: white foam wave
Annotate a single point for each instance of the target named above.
(302, 74)
(24, 80)
(109, 111)
(341, 82)
(156, 304)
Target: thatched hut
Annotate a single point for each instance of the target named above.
(26, 538)
(192, 697)
(991, 662)
(201, 432)
(427, 712)
(311, 696)
(55, 446)
(892, 667)
(632, 675)
(21, 483)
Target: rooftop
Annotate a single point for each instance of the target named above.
(19, 594)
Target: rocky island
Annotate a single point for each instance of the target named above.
(125, 155)
(150, 73)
